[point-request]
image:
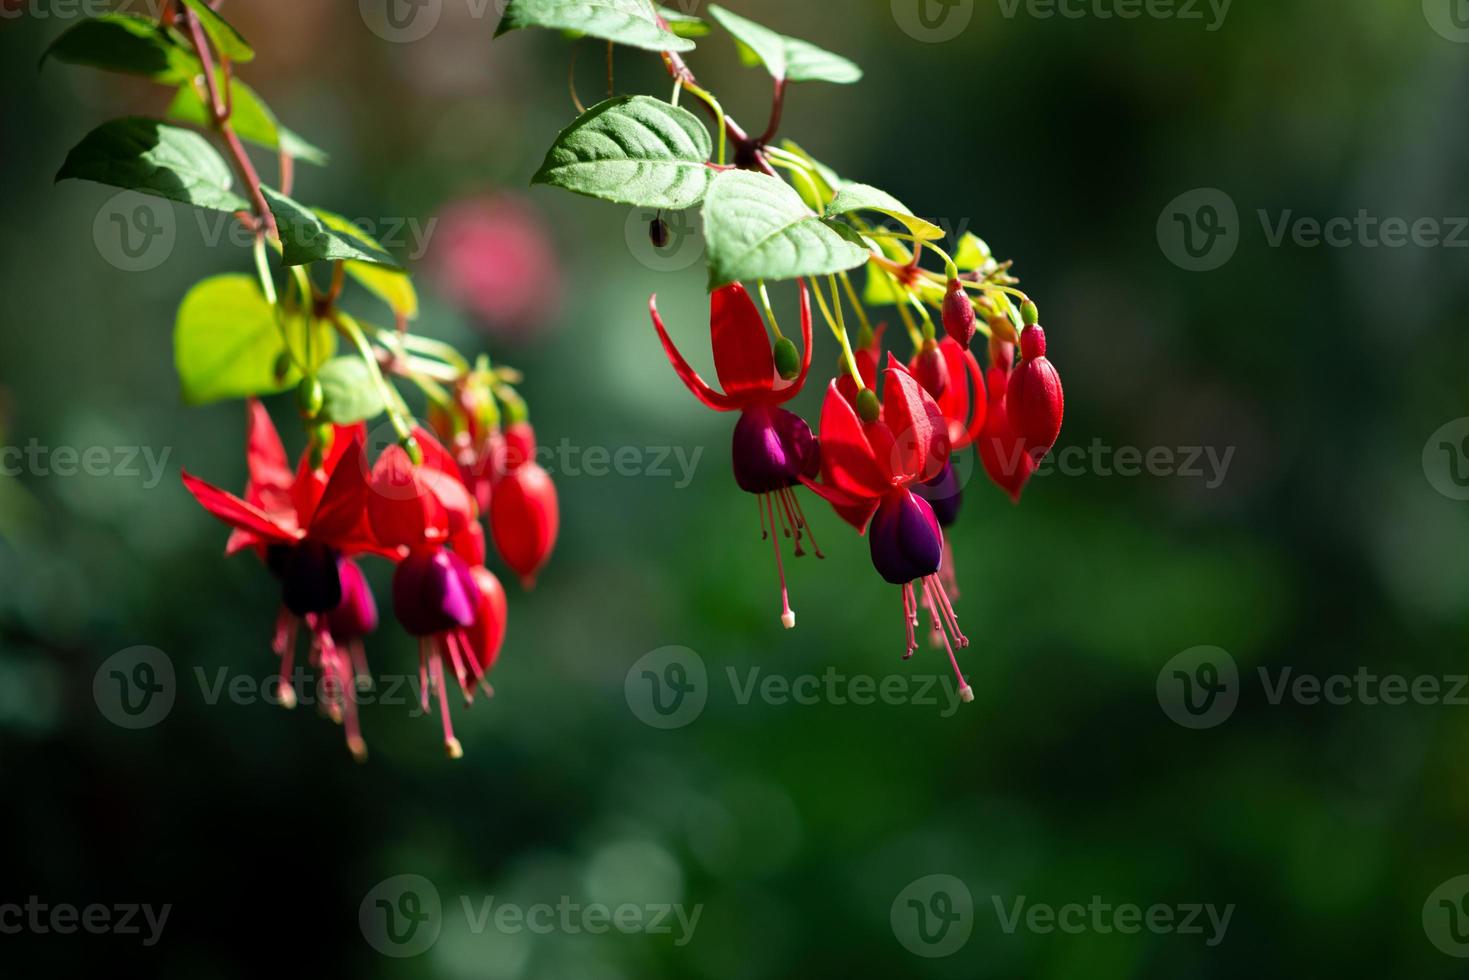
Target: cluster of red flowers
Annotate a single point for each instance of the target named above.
(885, 464)
(412, 506)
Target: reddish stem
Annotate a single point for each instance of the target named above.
(749, 153)
(777, 109)
(221, 109)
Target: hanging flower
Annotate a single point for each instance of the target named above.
(773, 449)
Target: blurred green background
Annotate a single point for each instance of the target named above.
(796, 828)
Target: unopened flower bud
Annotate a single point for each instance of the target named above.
(959, 317)
(787, 359)
(1002, 328)
(310, 398)
(932, 369)
(1034, 398)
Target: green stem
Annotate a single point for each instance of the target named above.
(839, 331)
(392, 401)
(769, 312)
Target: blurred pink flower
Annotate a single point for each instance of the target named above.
(493, 256)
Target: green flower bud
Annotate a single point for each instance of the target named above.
(310, 398)
(868, 406)
(787, 359)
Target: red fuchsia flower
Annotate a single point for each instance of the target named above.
(477, 444)
(965, 407)
(868, 472)
(1001, 448)
(525, 519)
(773, 449)
(1034, 400)
(429, 515)
(305, 530)
(494, 256)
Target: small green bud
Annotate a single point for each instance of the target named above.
(868, 406)
(1029, 314)
(322, 437)
(310, 397)
(787, 359)
(282, 366)
(413, 449)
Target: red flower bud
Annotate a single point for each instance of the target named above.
(487, 635)
(1034, 399)
(959, 318)
(520, 444)
(931, 369)
(524, 519)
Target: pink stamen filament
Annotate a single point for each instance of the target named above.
(451, 744)
(789, 517)
(787, 617)
(801, 517)
(285, 648)
(934, 593)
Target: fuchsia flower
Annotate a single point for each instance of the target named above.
(773, 448)
(965, 407)
(1001, 448)
(428, 513)
(1034, 396)
(306, 528)
(868, 472)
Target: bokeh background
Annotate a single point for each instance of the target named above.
(1328, 546)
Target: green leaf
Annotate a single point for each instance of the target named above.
(307, 238)
(862, 197)
(787, 58)
(299, 148)
(147, 156)
(758, 228)
(125, 43)
(633, 150)
(251, 118)
(392, 286)
(352, 396)
(629, 22)
(825, 179)
(228, 40)
(684, 25)
(973, 253)
(227, 343)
